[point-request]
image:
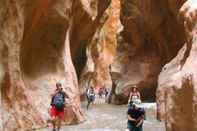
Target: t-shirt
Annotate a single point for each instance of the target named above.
(64, 95)
(90, 92)
(135, 113)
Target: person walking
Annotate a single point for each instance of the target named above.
(90, 96)
(57, 106)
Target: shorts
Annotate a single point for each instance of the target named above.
(91, 98)
(132, 127)
(55, 113)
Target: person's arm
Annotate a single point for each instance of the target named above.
(93, 91)
(88, 91)
(66, 97)
(131, 119)
(52, 100)
(140, 122)
(129, 97)
(141, 119)
(52, 97)
(129, 112)
(139, 95)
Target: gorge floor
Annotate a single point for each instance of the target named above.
(107, 117)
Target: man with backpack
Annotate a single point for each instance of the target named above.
(135, 117)
(57, 106)
(90, 96)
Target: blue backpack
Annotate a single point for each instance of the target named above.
(58, 101)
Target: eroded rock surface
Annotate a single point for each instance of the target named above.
(101, 50)
(35, 40)
(177, 84)
(152, 34)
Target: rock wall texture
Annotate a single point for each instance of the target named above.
(177, 84)
(151, 36)
(101, 50)
(89, 16)
(35, 41)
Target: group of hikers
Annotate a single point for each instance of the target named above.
(59, 99)
(91, 94)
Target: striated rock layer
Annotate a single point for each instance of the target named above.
(35, 40)
(152, 34)
(101, 50)
(177, 84)
(88, 19)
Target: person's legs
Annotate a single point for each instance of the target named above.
(60, 118)
(100, 95)
(109, 97)
(53, 123)
(93, 99)
(53, 117)
(88, 104)
(130, 127)
(139, 128)
(58, 123)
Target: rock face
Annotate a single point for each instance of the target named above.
(101, 50)
(151, 36)
(177, 84)
(89, 17)
(35, 40)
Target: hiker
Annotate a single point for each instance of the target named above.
(57, 106)
(90, 96)
(106, 92)
(100, 92)
(110, 92)
(134, 96)
(135, 116)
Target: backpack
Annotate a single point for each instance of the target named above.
(91, 92)
(58, 101)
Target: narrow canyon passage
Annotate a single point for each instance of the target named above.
(111, 44)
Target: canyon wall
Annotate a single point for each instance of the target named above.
(35, 42)
(151, 35)
(101, 50)
(177, 84)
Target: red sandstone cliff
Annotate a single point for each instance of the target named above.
(101, 50)
(151, 35)
(35, 41)
(177, 84)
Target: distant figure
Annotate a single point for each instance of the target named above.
(57, 106)
(135, 116)
(134, 96)
(106, 92)
(100, 92)
(90, 96)
(110, 92)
